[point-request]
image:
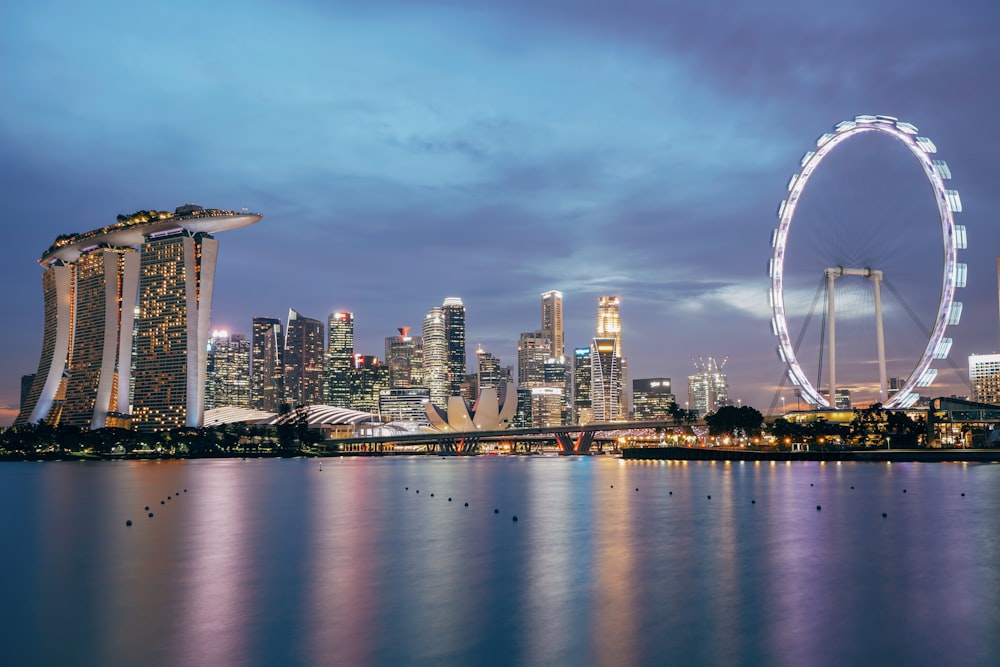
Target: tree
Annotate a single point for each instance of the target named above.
(743, 422)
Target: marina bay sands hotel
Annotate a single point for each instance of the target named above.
(127, 311)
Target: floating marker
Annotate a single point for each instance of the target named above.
(819, 507)
(514, 518)
(753, 502)
(710, 497)
(496, 511)
(449, 499)
(884, 515)
(129, 522)
(466, 504)
(150, 514)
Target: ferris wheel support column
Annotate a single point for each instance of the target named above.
(876, 278)
(831, 332)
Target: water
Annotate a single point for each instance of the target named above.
(280, 562)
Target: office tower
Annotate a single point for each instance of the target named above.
(488, 372)
(606, 380)
(228, 371)
(89, 285)
(405, 405)
(368, 378)
(268, 365)
(303, 360)
(404, 358)
(548, 406)
(100, 359)
(522, 414)
(583, 411)
(436, 357)
(454, 324)
(609, 325)
(339, 358)
(652, 398)
(708, 389)
(533, 348)
(552, 321)
(984, 375)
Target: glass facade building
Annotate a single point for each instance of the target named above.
(268, 365)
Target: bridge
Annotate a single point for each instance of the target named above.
(570, 440)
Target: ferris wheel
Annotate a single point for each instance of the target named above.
(948, 311)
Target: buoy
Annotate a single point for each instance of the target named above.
(418, 490)
(466, 504)
(884, 515)
(185, 490)
(818, 508)
(147, 508)
(671, 493)
(129, 522)
(904, 490)
(168, 497)
(432, 495)
(150, 514)
(810, 483)
(407, 488)
(496, 511)
(515, 518)
(449, 499)
(163, 502)
(963, 494)
(612, 486)
(637, 488)
(852, 488)
(753, 502)
(710, 497)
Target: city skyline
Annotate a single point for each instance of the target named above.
(491, 154)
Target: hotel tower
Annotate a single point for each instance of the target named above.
(162, 262)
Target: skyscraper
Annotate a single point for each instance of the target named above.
(303, 360)
(268, 370)
(176, 277)
(369, 378)
(606, 383)
(583, 411)
(100, 360)
(228, 371)
(652, 398)
(488, 371)
(454, 324)
(404, 358)
(708, 389)
(339, 358)
(436, 357)
(609, 325)
(552, 321)
(984, 375)
(90, 285)
(533, 348)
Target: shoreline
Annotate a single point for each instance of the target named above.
(877, 455)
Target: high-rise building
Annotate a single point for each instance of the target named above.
(228, 371)
(984, 375)
(90, 283)
(708, 389)
(303, 360)
(339, 359)
(100, 360)
(404, 356)
(268, 365)
(369, 377)
(436, 357)
(652, 398)
(583, 411)
(548, 406)
(26, 382)
(609, 325)
(533, 348)
(454, 325)
(552, 321)
(606, 380)
(488, 372)
(176, 277)
(405, 404)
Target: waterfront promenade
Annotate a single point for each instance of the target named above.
(732, 454)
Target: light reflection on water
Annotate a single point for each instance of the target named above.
(266, 562)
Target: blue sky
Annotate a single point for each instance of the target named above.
(402, 152)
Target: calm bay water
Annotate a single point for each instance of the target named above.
(287, 562)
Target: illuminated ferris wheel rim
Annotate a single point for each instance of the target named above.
(954, 237)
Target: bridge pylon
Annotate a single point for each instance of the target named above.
(575, 444)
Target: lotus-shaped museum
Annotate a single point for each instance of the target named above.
(493, 412)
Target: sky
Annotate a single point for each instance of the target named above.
(402, 152)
